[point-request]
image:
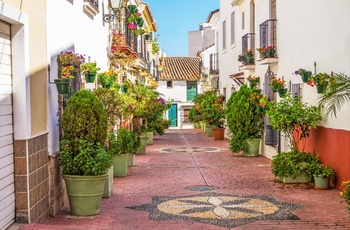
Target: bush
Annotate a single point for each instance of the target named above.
(293, 164)
(84, 124)
(243, 117)
(346, 194)
(123, 143)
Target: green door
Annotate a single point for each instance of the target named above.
(172, 115)
(191, 90)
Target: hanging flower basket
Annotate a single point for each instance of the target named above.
(63, 85)
(282, 92)
(90, 77)
(321, 87)
(147, 37)
(132, 9)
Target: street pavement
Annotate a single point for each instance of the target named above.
(187, 180)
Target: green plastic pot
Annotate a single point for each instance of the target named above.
(143, 144)
(150, 138)
(321, 182)
(131, 159)
(108, 189)
(85, 193)
(209, 130)
(253, 147)
(120, 165)
(63, 85)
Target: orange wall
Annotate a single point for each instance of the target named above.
(333, 147)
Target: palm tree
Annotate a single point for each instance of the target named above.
(336, 95)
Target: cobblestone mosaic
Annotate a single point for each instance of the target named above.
(222, 210)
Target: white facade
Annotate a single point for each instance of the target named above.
(305, 36)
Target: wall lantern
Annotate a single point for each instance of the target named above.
(115, 5)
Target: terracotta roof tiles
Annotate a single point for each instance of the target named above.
(180, 68)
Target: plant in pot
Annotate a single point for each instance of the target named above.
(322, 175)
(321, 81)
(83, 158)
(106, 79)
(245, 121)
(154, 121)
(89, 69)
(305, 74)
(68, 64)
(278, 85)
(294, 119)
(212, 109)
(120, 146)
(253, 81)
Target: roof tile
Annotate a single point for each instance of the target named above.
(180, 68)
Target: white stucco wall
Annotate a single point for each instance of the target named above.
(307, 32)
(70, 29)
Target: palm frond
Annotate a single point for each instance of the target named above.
(336, 95)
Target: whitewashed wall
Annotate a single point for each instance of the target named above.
(70, 29)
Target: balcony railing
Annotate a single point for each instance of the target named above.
(268, 34)
(248, 41)
(214, 63)
(94, 3)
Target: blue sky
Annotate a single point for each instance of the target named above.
(176, 18)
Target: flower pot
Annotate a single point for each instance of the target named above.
(131, 159)
(321, 183)
(63, 85)
(252, 85)
(271, 53)
(253, 147)
(321, 87)
(150, 138)
(125, 89)
(143, 144)
(305, 77)
(90, 77)
(147, 37)
(250, 60)
(85, 193)
(219, 133)
(202, 125)
(108, 189)
(132, 8)
(209, 130)
(290, 180)
(139, 22)
(282, 92)
(120, 165)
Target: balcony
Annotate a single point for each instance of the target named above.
(248, 50)
(214, 64)
(268, 39)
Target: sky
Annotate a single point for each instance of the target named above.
(175, 18)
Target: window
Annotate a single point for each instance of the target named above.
(243, 21)
(224, 35)
(233, 28)
(191, 90)
(169, 84)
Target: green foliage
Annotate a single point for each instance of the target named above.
(322, 170)
(114, 105)
(89, 67)
(336, 95)
(106, 78)
(155, 46)
(84, 118)
(90, 160)
(293, 164)
(243, 117)
(346, 194)
(123, 143)
(289, 115)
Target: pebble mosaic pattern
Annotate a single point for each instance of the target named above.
(222, 210)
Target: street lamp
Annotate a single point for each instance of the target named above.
(115, 5)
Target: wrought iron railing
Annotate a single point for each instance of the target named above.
(214, 63)
(268, 34)
(248, 48)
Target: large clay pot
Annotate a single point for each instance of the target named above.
(219, 133)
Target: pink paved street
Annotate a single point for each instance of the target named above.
(156, 191)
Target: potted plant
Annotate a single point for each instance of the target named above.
(119, 146)
(346, 194)
(278, 85)
(245, 121)
(106, 79)
(89, 69)
(305, 74)
(83, 158)
(294, 119)
(293, 167)
(253, 81)
(321, 80)
(246, 58)
(68, 64)
(322, 175)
